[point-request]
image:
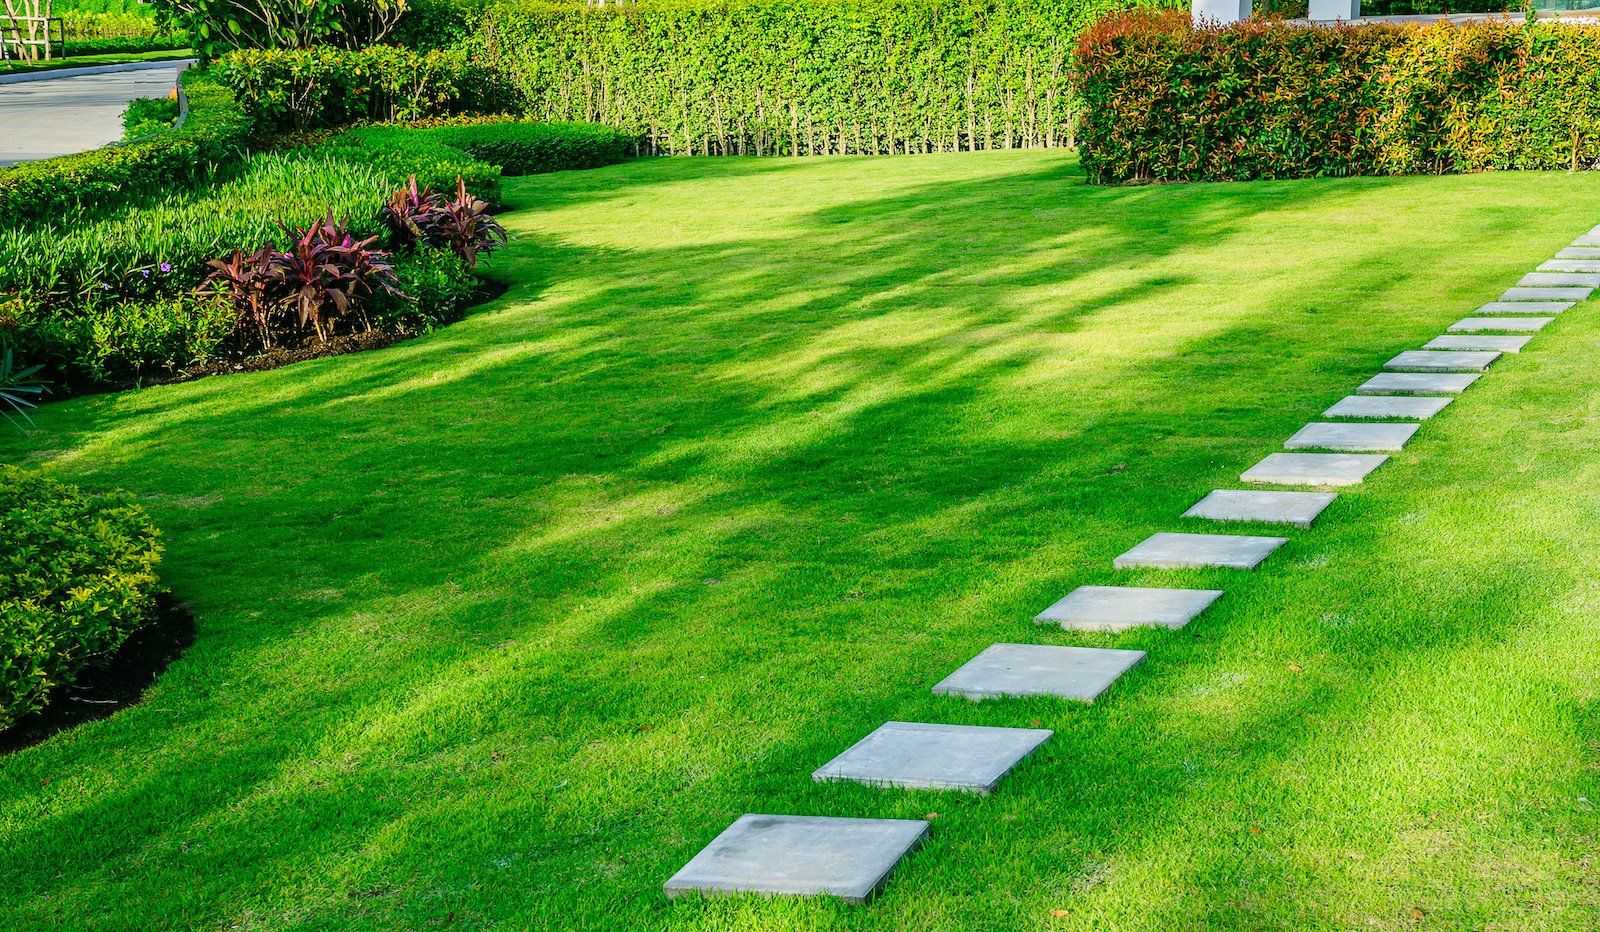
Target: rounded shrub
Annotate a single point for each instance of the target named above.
(77, 576)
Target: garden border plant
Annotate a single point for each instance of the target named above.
(1168, 102)
(79, 577)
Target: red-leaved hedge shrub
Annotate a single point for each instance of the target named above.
(1167, 102)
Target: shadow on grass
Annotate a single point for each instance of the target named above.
(677, 536)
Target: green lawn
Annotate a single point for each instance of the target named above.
(79, 61)
(497, 628)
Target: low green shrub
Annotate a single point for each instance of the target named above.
(517, 147)
(125, 45)
(1167, 102)
(122, 341)
(77, 576)
(435, 288)
(214, 132)
(146, 115)
(301, 89)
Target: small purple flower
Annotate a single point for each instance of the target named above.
(145, 272)
(166, 266)
(104, 287)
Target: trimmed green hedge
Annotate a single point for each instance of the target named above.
(316, 88)
(1167, 102)
(800, 76)
(77, 576)
(519, 148)
(214, 132)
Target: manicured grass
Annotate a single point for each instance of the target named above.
(497, 628)
(79, 61)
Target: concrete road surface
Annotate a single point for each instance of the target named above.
(57, 116)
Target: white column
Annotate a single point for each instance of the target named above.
(1324, 11)
(1220, 12)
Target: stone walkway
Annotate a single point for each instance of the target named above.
(61, 115)
(852, 858)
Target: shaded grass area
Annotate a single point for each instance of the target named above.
(496, 628)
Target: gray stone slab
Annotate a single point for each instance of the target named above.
(1419, 407)
(1418, 383)
(1081, 673)
(1591, 238)
(1297, 508)
(1560, 280)
(1170, 551)
(1321, 469)
(1437, 361)
(1570, 265)
(800, 855)
(1522, 307)
(921, 756)
(1579, 252)
(1351, 437)
(1117, 608)
(1499, 344)
(1518, 324)
(1546, 294)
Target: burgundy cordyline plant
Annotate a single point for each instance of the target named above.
(324, 275)
(462, 224)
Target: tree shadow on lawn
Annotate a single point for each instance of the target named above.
(690, 443)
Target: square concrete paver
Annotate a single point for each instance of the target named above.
(1591, 238)
(1546, 294)
(1463, 342)
(1571, 265)
(1116, 608)
(804, 855)
(1418, 383)
(1522, 307)
(1328, 469)
(920, 756)
(1170, 551)
(1579, 252)
(1420, 407)
(1297, 508)
(1081, 673)
(1436, 361)
(1559, 280)
(1351, 437)
(1518, 324)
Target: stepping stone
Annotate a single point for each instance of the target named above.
(1354, 438)
(1418, 383)
(1297, 508)
(805, 855)
(934, 757)
(1559, 280)
(1591, 238)
(1420, 407)
(1497, 344)
(1169, 551)
(1435, 361)
(1570, 265)
(1475, 324)
(1039, 670)
(1523, 307)
(1117, 608)
(1314, 468)
(1579, 252)
(1546, 294)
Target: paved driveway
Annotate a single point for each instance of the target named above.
(56, 116)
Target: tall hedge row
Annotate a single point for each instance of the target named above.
(710, 77)
(1167, 102)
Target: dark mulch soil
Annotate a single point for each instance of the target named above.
(287, 355)
(111, 683)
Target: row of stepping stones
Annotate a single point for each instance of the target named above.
(851, 858)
